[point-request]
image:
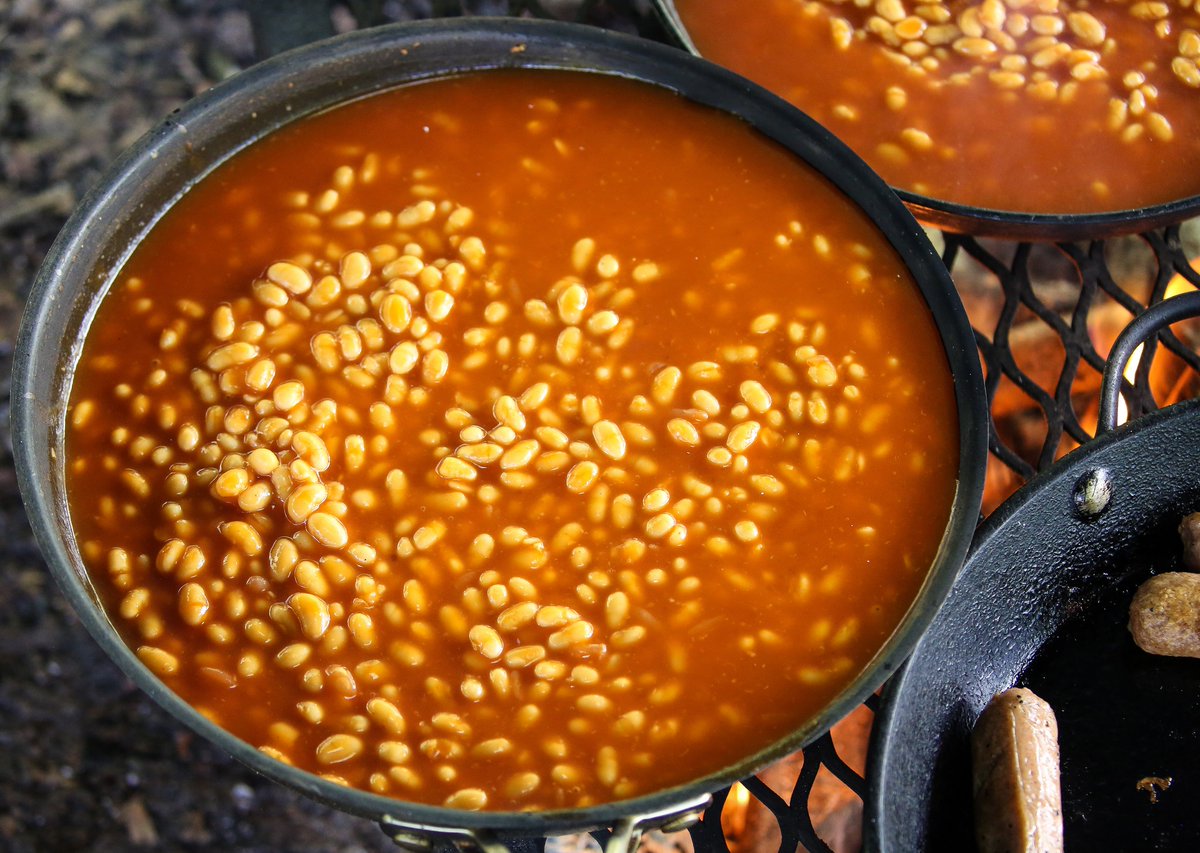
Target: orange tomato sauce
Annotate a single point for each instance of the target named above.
(516, 441)
(1045, 106)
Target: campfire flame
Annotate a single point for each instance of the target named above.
(733, 815)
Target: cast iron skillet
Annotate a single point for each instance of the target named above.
(1043, 602)
(192, 142)
(965, 219)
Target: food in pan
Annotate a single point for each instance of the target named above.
(1164, 617)
(1189, 537)
(518, 441)
(1051, 106)
(1153, 786)
(1015, 770)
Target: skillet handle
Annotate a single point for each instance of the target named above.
(1142, 329)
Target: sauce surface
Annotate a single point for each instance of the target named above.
(1044, 106)
(516, 441)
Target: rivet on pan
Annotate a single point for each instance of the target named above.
(1092, 494)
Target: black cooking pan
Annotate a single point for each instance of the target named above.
(94, 244)
(1010, 224)
(1043, 603)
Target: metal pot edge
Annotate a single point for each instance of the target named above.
(1002, 224)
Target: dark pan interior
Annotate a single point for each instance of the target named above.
(1123, 716)
(1043, 602)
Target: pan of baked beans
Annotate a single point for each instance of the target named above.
(499, 429)
(1050, 119)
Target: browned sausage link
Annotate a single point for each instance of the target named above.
(1014, 756)
(1164, 617)
(1189, 535)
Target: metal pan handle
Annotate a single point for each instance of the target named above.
(1142, 329)
(626, 833)
(669, 15)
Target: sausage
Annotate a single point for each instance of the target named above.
(1189, 536)
(1014, 758)
(1164, 617)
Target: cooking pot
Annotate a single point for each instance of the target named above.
(188, 145)
(1044, 602)
(1015, 225)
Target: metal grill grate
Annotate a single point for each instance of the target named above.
(1018, 279)
(1008, 287)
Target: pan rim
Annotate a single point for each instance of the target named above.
(971, 220)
